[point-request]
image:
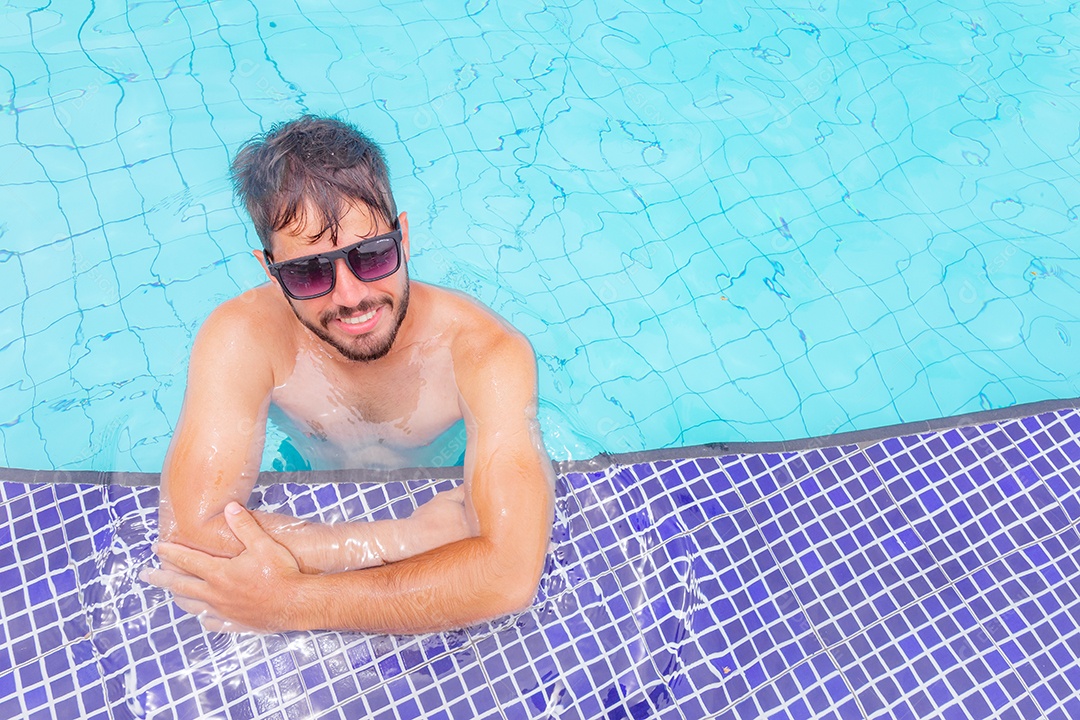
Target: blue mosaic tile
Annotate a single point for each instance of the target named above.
(975, 513)
(802, 585)
(1028, 604)
(929, 657)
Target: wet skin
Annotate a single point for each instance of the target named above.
(379, 382)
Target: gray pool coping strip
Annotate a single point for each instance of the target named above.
(598, 463)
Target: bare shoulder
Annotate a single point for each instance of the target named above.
(475, 330)
(486, 348)
(252, 330)
(248, 312)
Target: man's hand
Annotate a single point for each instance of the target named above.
(254, 591)
(277, 546)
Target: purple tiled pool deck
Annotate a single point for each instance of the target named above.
(926, 575)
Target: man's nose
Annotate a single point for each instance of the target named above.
(349, 291)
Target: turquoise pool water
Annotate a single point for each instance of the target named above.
(715, 223)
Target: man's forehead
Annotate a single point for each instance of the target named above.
(312, 226)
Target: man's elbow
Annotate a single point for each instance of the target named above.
(518, 589)
(521, 599)
(516, 596)
(518, 570)
(498, 600)
(208, 533)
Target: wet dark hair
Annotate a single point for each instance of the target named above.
(311, 164)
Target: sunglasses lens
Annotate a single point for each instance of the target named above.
(375, 260)
(307, 278)
(311, 277)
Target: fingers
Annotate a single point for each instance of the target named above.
(168, 566)
(208, 586)
(195, 607)
(246, 529)
(177, 583)
(185, 560)
(187, 592)
(206, 616)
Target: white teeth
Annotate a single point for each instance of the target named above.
(359, 318)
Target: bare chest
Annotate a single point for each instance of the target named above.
(364, 415)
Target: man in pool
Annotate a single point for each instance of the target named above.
(347, 348)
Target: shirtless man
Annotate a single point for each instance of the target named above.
(344, 345)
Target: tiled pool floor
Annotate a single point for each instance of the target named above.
(930, 575)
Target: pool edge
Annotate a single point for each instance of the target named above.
(594, 464)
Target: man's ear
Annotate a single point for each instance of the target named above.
(403, 221)
(261, 257)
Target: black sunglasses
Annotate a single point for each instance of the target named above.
(313, 276)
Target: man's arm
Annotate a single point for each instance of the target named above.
(217, 448)
(337, 547)
(510, 482)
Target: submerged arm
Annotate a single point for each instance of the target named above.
(340, 546)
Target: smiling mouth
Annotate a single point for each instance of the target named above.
(357, 325)
(359, 319)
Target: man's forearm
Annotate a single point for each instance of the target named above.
(317, 547)
(336, 547)
(210, 534)
(452, 586)
(339, 547)
(263, 588)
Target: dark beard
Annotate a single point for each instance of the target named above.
(351, 353)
